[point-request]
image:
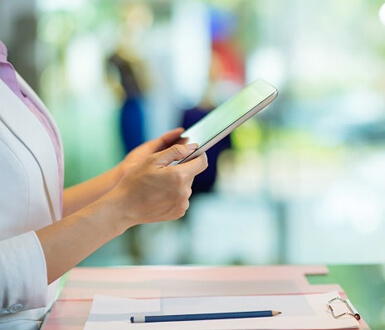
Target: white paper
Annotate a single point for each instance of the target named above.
(298, 312)
(111, 308)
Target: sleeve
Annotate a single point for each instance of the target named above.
(23, 274)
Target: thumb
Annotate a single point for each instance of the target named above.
(174, 153)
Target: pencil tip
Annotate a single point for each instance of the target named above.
(276, 313)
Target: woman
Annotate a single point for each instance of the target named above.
(35, 247)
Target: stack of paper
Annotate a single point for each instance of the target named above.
(298, 312)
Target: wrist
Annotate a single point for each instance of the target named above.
(109, 211)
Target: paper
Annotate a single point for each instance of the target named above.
(110, 308)
(298, 312)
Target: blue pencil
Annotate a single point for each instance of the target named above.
(205, 316)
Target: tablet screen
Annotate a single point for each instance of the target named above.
(247, 102)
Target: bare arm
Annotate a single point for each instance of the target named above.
(83, 194)
(151, 191)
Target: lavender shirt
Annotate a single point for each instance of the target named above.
(8, 76)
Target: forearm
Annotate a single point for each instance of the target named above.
(68, 242)
(83, 194)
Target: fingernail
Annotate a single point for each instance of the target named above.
(192, 146)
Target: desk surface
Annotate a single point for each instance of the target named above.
(363, 284)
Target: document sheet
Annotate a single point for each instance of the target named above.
(308, 311)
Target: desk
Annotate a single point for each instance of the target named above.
(73, 305)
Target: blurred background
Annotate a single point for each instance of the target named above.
(301, 183)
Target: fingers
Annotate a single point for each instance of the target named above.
(174, 153)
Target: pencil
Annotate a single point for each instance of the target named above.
(204, 316)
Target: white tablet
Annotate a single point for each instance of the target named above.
(224, 119)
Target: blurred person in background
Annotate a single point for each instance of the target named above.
(131, 119)
(45, 230)
(131, 75)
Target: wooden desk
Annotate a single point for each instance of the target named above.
(73, 305)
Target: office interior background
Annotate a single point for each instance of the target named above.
(301, 183)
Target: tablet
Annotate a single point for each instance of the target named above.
(224, 119)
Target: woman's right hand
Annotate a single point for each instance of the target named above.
(152, 191)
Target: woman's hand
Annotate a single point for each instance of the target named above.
(146, 149)
(153, 191)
